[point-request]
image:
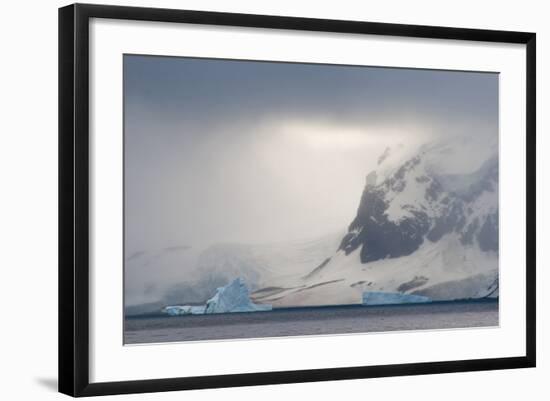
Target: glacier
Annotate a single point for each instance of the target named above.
(233, 297)
(392, 298)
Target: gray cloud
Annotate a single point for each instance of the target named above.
(219, 151)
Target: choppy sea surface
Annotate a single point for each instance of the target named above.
(310, 321)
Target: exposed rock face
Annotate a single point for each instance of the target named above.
(414, 204)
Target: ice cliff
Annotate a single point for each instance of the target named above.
(233, 297)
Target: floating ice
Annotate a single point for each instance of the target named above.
(234, 297)
(392, 298)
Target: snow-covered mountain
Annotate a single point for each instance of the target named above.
(259, 265)
(426, 225)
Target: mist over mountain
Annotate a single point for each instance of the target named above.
(426, 224)
(415, 203)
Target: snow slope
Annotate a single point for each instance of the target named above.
(426, 225)
(443, 270)
(267, 264)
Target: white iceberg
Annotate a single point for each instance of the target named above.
(234, 297)
(392, 298)
(176, 310)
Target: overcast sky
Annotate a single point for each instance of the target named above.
(254, 152)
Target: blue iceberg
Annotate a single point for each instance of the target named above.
(392, 298)
(234, 297)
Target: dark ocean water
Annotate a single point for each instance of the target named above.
(311, 321)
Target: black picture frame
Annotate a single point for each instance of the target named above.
(74, 197)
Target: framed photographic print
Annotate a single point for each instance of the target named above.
(249, 199)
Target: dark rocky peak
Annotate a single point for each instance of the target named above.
(446, 204)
